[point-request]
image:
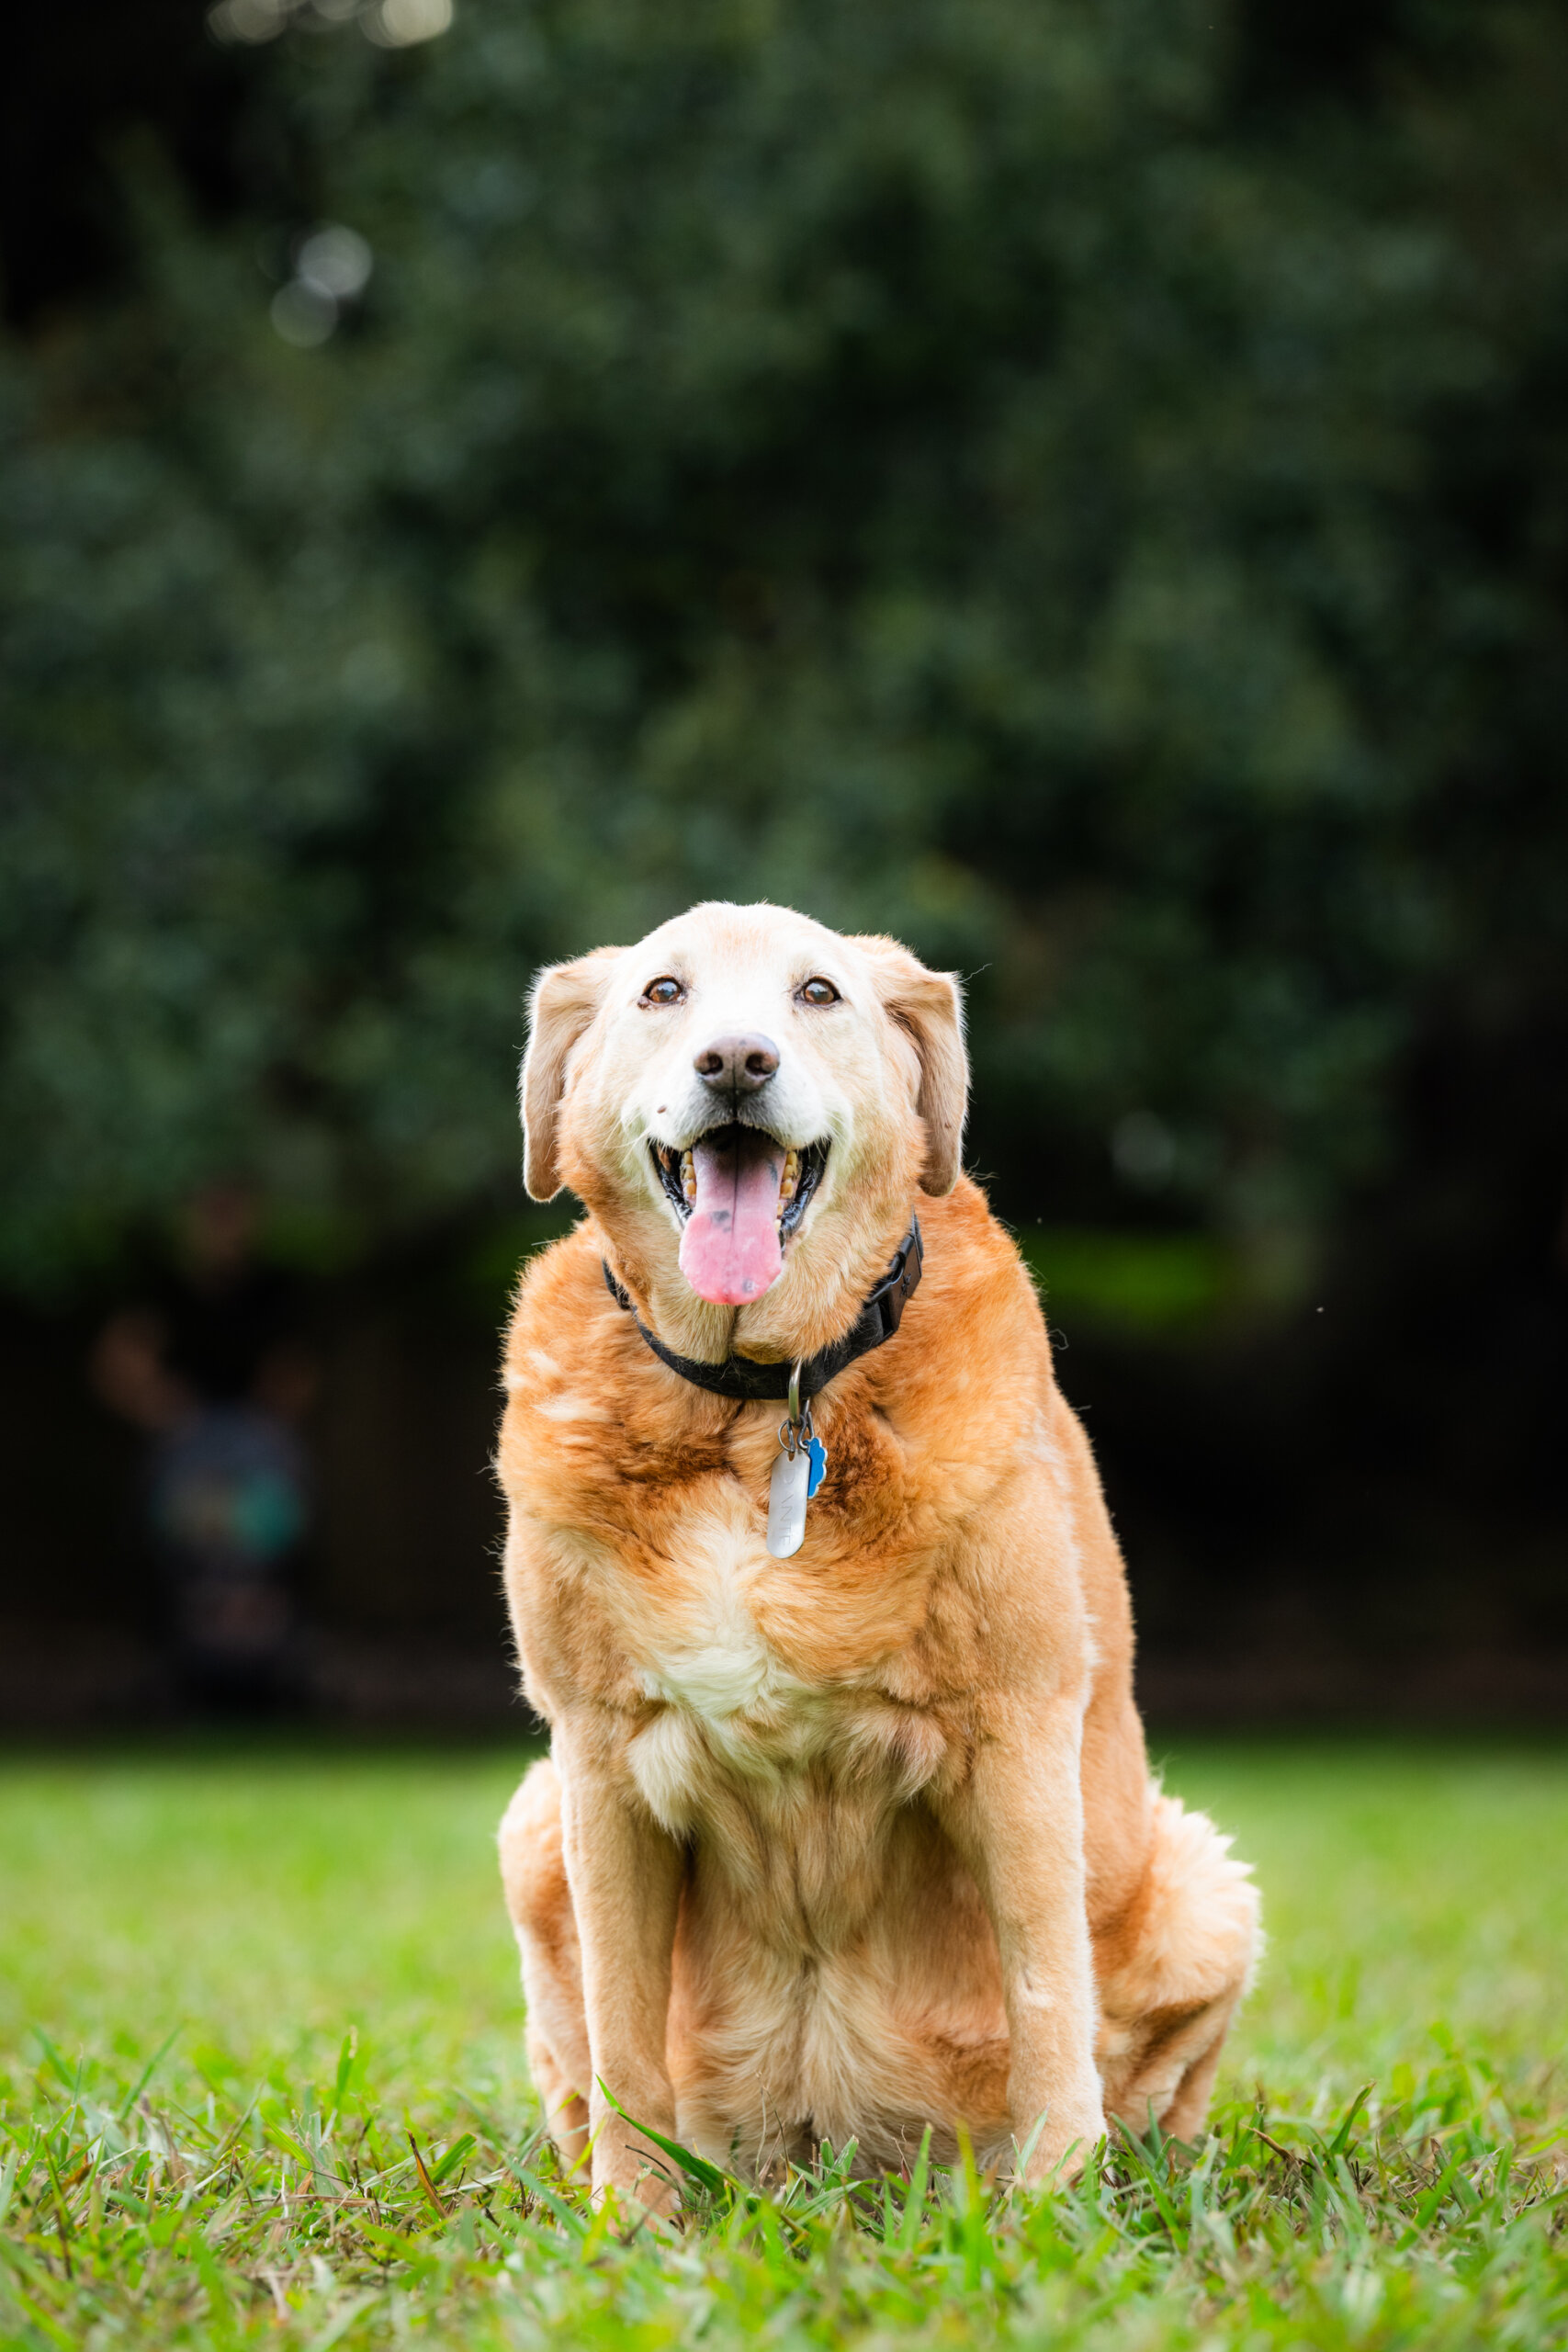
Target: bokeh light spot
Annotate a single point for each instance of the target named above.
(399, 24)
(248, 20)
(335, 261)
(303, 314)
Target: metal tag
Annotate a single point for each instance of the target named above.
(789, 1491)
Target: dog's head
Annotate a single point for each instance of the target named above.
(747, 1100)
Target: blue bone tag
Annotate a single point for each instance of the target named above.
(819, 1454)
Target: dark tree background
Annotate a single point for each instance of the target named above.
(1080, 486)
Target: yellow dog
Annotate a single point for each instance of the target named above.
(847, 1826)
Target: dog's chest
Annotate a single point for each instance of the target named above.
(748, 1707)
(709, 1633)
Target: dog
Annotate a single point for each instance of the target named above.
(847, 1828)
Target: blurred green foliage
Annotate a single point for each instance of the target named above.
(1142, 1283)
(960, 468)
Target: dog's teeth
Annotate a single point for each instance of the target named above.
(688, 1176)
(789, 1187)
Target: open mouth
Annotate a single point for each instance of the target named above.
(740, 1193)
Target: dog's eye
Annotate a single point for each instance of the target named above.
(663, 992)
(818, 991)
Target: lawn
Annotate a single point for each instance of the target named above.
(261, 2081)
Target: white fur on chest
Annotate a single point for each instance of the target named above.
(699, 1645)
(732, 1708)
(734, 1719)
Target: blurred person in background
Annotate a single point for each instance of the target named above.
(213, 1364)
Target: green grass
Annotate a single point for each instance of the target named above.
(338, 2146)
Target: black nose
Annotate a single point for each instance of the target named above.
(736, 1065)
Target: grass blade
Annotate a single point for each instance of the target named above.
(708, 2176)
(147, 2072)
(915, 2201)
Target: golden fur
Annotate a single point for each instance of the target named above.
(840, 1845)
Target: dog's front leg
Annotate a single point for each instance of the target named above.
(1018, 1821)
(624, 1872)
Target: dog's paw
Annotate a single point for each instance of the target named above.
(652, 2207)
(645, 2193)
(1060, 2144)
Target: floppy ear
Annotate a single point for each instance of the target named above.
(562, 1001)
(928, 1007)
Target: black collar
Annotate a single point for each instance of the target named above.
(751, 1382)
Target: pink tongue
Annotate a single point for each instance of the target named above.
(729, 1250)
